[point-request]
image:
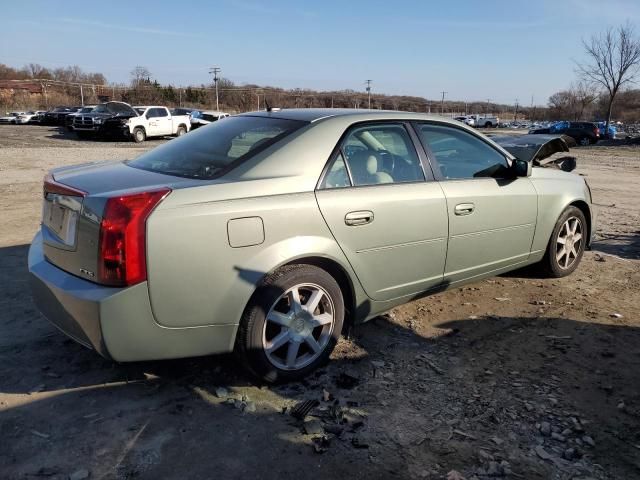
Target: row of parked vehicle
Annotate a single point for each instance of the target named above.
(119, 120)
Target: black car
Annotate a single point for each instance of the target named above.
(105, 119)
(58, 115)
(584, 133)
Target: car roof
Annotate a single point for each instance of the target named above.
(213, 112)
(315, 114)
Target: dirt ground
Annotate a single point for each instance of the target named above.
(515, 376)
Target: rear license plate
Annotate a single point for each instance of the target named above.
(60, 221)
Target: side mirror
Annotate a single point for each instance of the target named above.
(521, 168)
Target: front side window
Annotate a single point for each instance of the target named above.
(208, 152)
(461, 155)
(379, 154)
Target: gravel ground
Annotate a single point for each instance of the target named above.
(515, 376)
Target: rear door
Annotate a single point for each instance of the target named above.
(492, 217)
(164, 122)
(388, 217)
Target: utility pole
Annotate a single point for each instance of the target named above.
(442, 102)
(515, 113)
(487, 110)
(368, 83)
(46, 97)
(179, 97)
(215, 71)
(81, 96)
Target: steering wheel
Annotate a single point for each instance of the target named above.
(387, 161)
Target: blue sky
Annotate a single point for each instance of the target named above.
(473, 49)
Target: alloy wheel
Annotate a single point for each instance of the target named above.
(298, 327)
(569, 242)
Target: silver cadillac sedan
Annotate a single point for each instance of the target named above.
(265, 233)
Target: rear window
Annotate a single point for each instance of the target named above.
(210, 151)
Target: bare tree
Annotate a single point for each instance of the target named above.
(139, 74)
(585, 95)
(613, 61)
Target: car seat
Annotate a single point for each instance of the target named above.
(364, 168)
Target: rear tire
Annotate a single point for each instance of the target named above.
(584, 141)
(566, 245)
(181, 131)
(291, 324)
(487, 125)
(139, 135)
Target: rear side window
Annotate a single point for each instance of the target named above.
(461, 155)
(381, 153)
(210, 151)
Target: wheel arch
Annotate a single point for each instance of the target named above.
(340, 275)
(586, 211)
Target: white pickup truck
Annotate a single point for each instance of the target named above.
(155, 121)
(487, 121)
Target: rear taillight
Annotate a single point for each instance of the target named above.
(123, 256)
(52, 186)
(596, 131)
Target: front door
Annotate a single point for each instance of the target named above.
(390, 222)
(492, 216)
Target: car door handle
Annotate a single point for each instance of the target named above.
(362, 217)
(464, 208)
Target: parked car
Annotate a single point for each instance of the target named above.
(58, 114)
(93, 123)
(11, 117)
(584, 133)
(486, 121)
(466, 120)
(152, 121)
(266, 232)
(28, 117)
(69, 119)
(205, 117)
(607, 133)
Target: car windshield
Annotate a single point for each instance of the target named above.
(86, 109)
(213, 150)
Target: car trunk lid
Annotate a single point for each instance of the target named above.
(73, 206)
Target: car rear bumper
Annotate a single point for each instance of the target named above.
(118, 323)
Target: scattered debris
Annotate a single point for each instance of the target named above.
(616, 315)
(313, 426)
(81, 474)
(303, 408)
(542, 453)
(502, 299)
(222, 392)
(40, 434)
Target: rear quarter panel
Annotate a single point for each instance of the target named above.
(196, 278)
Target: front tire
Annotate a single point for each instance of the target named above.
(567, 244)
(291, 324)
(139, 135)
(584, 141)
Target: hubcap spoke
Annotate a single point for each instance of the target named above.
(279, 318)
(562, 240)
(292, 353)
(561, 254)
(314, 300)
(322, 319)
(294, 299)
(313, 344)
(278, 341)
(577, 237)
